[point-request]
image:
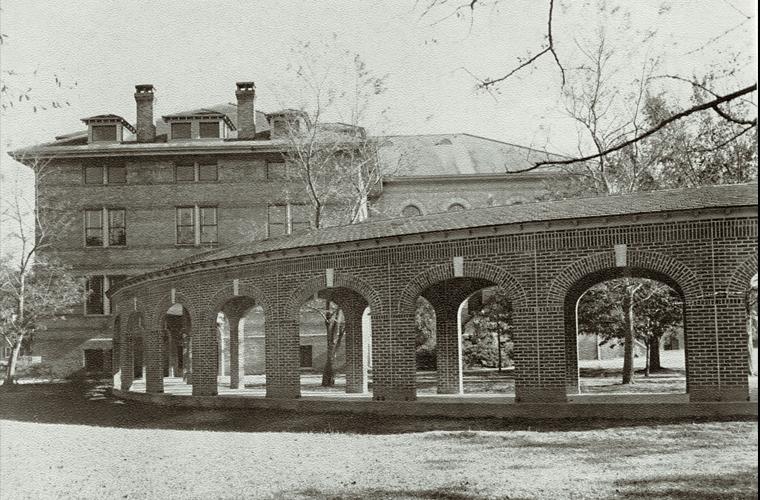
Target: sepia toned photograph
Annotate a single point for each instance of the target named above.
(388, 249)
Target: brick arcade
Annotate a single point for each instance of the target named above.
(702, 242)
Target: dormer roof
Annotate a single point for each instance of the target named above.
(201, 113)
(109, 119)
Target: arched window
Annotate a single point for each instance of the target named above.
(411, 211)
(455, 207)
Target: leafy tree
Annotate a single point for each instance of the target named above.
(30, 293)
(425, 341)
(490, 342)
(751, 305)
(630, 309)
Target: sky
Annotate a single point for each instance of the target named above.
(195, 51)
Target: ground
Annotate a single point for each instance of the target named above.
(72, 440)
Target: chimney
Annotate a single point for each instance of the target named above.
(146, 130)
(246, 116)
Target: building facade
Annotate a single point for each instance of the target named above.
(138, 197)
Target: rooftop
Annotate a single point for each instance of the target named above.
(724, 196)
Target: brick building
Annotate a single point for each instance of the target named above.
(144, 195)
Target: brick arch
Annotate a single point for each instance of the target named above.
(226, 293)
(657, 263)
(340, 280)
(166, 302)
(441, 272)
(738, 283)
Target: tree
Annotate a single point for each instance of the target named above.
(337, 162)
(490, 343)
(630, 309)
(34, 287)
(31, 293)
(549, 50)
(751, 305)
(425, 341)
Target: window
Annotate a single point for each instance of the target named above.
(299, 218)
(93, 229)
(287, 218)
(411, 211)
(455, 207)
(306, 356)
(102, 221)
(197, 225)
(202, 171)
(117, 227)
(117, 174)
(112, 174)
(209, 129)
(93, 175)
(208, 224)
(96, 301)
(103, 133)
(186, 225)
(277, 222)
(181, 130)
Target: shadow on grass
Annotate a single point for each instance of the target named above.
(735, 485)
(444, 493)
(90, 403)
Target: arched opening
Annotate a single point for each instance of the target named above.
(136, 348)
(177, 350)
(456, 207)
(625, 333)
(116, 347)
(335, 331)
(240, 344)
(464, 338)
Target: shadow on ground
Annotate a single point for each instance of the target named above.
(89, 402)
(736, 485)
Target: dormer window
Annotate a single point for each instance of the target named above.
(199, 124)
(181, 130)
(285, 121)
(208, 130)
(106, 128)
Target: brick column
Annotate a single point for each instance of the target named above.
(540, 355)
(237, 353)
(572, 382)
(127, 362)
(393, 361)
(356, 371)
(153, 360)
(716, 363)
(448, 355)
(204, 355)
(283, 369)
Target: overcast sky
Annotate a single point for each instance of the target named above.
(194, 52)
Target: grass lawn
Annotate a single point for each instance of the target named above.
(74, 441)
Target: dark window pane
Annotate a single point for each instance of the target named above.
(117, 227)
(208, 224)
(208, 234)
(94, 302)
(299, 218)
(185, 236)
(185, 216)
(93, 175)
(208, 216)
(93, 228)
(117, 174)
(209, 129)
(184, 173)
(180, 130)
(207, 172)
(411, 211)
(103, 133)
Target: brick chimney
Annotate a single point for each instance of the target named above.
(246, 115)
(146, 130)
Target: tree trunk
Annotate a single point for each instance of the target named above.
(10, 370)
(646, 364)
(328, 373)
(750, 349)
(654, 355)
(628, 350)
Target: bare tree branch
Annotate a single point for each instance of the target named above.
(694, 109)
